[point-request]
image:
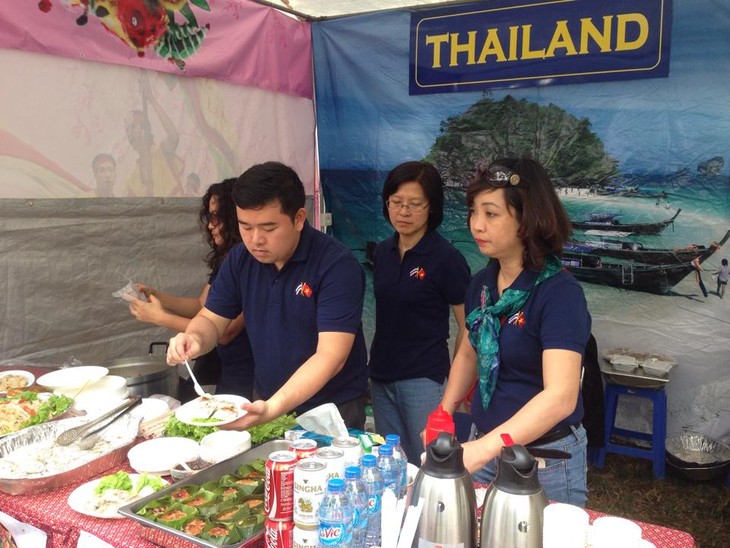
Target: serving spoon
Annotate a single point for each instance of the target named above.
(198, 389)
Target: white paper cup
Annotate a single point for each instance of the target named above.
(411, 472)
(564, 526)
(610, 531)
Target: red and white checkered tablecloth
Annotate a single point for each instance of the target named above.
(51, 513)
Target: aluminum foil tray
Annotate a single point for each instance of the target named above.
(118, 438)
(638, 377)
(697, 450)
(167, 536)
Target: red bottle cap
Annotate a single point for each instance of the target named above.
(439, 420)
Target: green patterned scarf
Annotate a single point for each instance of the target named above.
(484, 325)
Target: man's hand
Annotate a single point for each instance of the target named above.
(258, 413)
(182, 346)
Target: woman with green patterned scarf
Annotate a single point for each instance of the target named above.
(528, 327)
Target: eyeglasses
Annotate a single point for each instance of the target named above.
(397, 205)
(497, 175)
(212, 218)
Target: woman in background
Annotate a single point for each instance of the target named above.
(528, 327)
(232, 371)
(417, 277)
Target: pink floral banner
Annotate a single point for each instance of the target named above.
(231, 40)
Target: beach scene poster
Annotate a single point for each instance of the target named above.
(645, 163)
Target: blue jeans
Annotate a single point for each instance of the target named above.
(564, 480)
(402, 407)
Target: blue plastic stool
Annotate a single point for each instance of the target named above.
(658, 433)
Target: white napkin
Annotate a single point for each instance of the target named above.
(405, 540)
(324, 420)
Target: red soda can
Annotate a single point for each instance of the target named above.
(303, 447)
(278, 534)
(279, 485)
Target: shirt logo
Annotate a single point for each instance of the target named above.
(517, 319)
(304, 289)
(417, 272)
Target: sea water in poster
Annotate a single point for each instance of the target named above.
(662, 145)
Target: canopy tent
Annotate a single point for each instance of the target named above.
(62, 258)
(317, 10)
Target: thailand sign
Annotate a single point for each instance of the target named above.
(508, 45)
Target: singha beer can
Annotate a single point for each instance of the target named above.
(334, 458)
(310, 481)
(304, 537)
(278, 534)
(303, 447)
(279, 485)
(351, 448)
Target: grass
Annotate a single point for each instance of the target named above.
(625, 487)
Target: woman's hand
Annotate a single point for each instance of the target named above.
(146, 290)
(475, 456)
(149, 312)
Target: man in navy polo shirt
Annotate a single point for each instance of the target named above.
(301, 295)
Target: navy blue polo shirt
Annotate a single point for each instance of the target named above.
(236, 359)
(319, 289)
(412, 307)
(555, 316)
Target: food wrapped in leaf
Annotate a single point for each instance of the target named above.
(200, 497)
(255, 503)
(250, 486)
(249, 526)
(195, 526)
(231, 513)
(177, 516)
(185, 492)
(221, 533)
(156, 507)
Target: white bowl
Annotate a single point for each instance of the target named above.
(28, 377)
(158, 455)
(72, 377)
(223, 444)
(150, 409)
(109, 387)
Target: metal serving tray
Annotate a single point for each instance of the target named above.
(126, 432)
(160, 534)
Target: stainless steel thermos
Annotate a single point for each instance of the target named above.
(449, 512)
(514, 503)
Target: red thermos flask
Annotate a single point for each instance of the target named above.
(439, 420)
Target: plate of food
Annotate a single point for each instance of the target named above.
(29, 408)
(212, 410)
(102, 497)
(15, 380)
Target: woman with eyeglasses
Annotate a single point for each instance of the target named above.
(418, 277)
(230, 365)
(528, 326)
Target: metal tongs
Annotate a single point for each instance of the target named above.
(87, 429)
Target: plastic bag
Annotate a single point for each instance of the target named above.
(129, 292)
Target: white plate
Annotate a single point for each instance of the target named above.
(72, 377)
(28, 376)
(150, 409)
(85, 501)
(200, 408)
(158, 455)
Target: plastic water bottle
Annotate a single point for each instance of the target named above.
(373, 482)
(335, 516)
(402, 460)
(355, 489)
(389, 469)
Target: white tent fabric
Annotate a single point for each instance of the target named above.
(325, 9)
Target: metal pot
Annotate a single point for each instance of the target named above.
(147, 375)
